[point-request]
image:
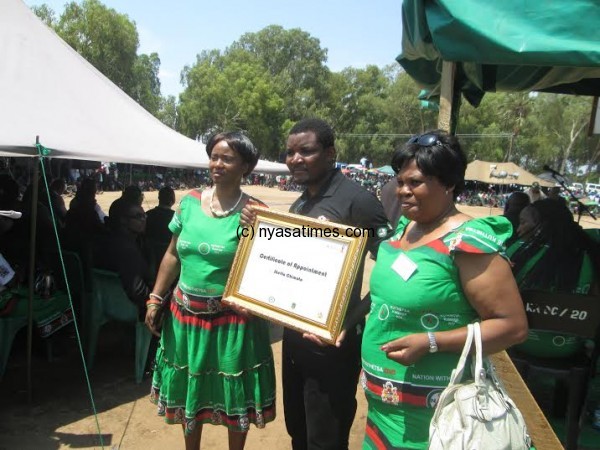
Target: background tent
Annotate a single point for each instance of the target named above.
(503, 46)
(501, 173)
(387, 170)
(48, 90)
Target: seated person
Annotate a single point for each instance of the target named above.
(512, 209)
(120, 251)
(553, 253)
(57, 189)
(158, 219)
(85, 219)
(133, 194)
(158, 235)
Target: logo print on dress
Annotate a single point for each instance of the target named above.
(363, 380)
(559, 341)
(384, 312)
(454, 242)
(213, 305)
(260, 420)
(186, 301)
(216, 418)
(389, 393)
(433, 398)
(430, 321)
(244, 422)
(204, 248)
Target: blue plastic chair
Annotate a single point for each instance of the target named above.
(110, 302)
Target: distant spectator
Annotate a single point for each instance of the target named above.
(535, 192)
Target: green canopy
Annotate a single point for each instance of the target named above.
(509, 45)
(387, 170)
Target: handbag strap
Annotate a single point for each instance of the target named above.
(457, 373)
(479, 373)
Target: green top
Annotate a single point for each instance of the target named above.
(206, 247)
(548, 344)
(428, 299)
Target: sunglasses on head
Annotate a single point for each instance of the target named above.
(425, 140)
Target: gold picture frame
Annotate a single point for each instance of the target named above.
(296, 271)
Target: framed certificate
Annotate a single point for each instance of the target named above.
(296, 271)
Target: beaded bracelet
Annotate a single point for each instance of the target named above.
(157, 297)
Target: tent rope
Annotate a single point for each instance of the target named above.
(44, 152)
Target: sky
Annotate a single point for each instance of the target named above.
(355, 33)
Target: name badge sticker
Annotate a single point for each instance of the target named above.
(404, 266)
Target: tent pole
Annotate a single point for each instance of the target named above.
(449, 99)
(31, 276)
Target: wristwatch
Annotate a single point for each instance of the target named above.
(432, 342)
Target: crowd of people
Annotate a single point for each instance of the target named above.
(436, 271)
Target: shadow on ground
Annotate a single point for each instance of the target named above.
(60, 394)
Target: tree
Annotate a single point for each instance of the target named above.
(146, 84)
(295, 62)
(167, 112)
(232, 92)
(107, 39)
(45, 13)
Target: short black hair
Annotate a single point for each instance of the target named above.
(322, 130)
(166, 195)
(119, 210)
(444, 159)
(239, 142)
(133, 193)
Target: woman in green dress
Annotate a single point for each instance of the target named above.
(554, 253)
(213, 364)
(441, 271)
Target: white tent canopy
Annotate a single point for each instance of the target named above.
(48, 90)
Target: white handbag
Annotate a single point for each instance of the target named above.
(476, 414)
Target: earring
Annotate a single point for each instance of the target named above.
(446, 191)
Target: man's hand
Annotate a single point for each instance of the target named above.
(247, 215)
(317, 340)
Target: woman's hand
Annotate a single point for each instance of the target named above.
(240, 310)
(149, 321)
(408, 349)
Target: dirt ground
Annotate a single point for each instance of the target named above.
(60, 415)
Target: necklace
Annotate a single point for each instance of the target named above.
(223, 213)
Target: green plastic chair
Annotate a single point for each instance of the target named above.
(9, 326)
(110, 302)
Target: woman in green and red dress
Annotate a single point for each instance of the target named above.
(213, 364)
(441, 271)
